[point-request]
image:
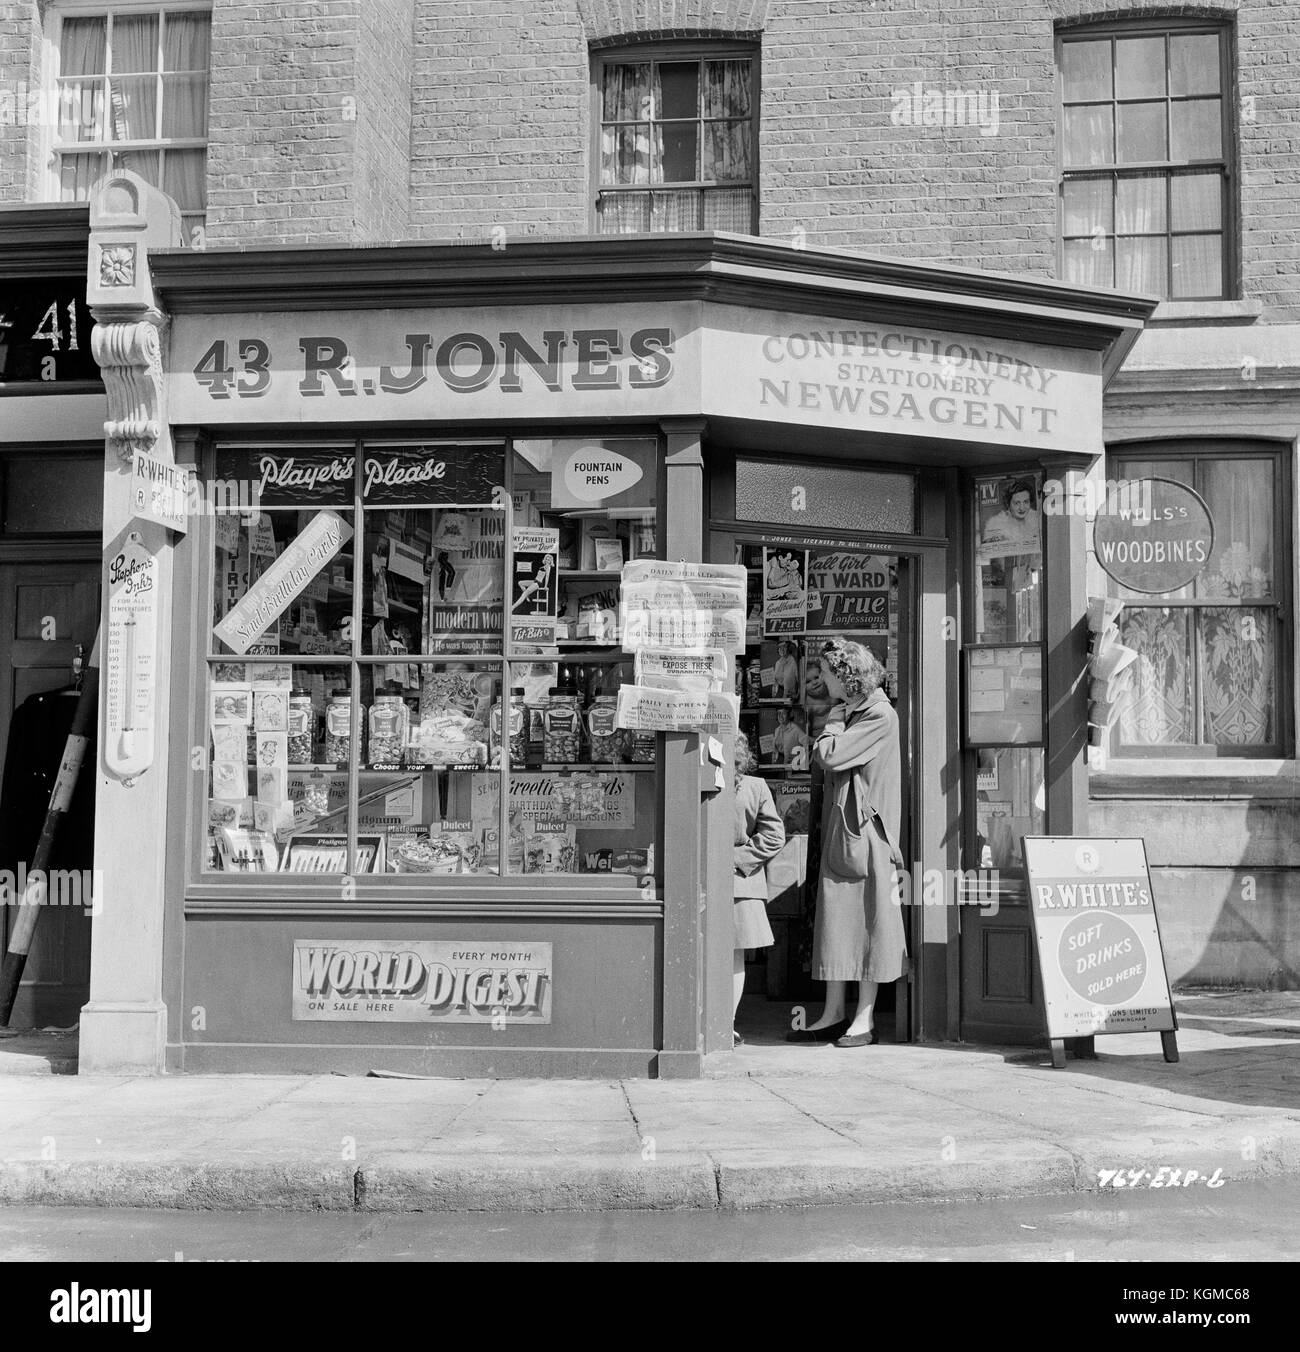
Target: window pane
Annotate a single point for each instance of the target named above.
(424, 781)
(1090, 262)
(133, 109)
(625, 154)
(678, 159)
(185, 106)
(319, 617)
(1142, 132)
(134, 43)
(146, 163)
(81, 110)
(1142, 264)
(279, 744)
(1088, 206)
(1197, 201)
(1086, 69)
(185, 42)
(1159, 709)
(1198, 266)
(729, 209)
(183, 178)
(726, 89)
(675, 211)
(1194, 64)
(1240, 495)
(1089, 136)
(81, 47)
(1139, 68)
(626, 93)
(1197, 130)
(1009, 558)
(77, 175)
(1010, 806)
(1237, 664)
(435, 582)
(677, 89)
(726, 152)
(1140, 207)
(624, 213)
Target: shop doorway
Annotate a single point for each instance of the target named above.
(804, 589)
(49, 614)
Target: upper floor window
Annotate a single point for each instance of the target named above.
(1146, 144)
(678, 133)
(132, 90)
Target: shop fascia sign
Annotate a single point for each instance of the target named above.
(880, 377)
(318, 366)
(676, 359)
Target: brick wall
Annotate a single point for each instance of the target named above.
(308, 114)
(500, 118)
(20, 81)
(359, 120)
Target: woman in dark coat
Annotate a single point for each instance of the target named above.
(858, 934)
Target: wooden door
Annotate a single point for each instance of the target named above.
(47, 613)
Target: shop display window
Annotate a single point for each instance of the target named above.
(414, 658)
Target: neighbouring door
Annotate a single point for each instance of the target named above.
(49, 613)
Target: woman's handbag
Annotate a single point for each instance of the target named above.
(847, 851)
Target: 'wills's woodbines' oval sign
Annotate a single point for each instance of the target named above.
(1153, 535)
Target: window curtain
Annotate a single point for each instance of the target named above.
(81, 101)
(1240, 498)
(184, 178)
(727, 141)
(133, 89)
(185, 97)
(625, 150)
(77, 175)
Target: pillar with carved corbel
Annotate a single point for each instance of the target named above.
(123, 1026)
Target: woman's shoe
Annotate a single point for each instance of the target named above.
(867, 1039)
(736, 1039)
(827, 1034)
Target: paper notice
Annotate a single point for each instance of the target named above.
(643, 709)
(700, 671)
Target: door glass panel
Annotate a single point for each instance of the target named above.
(1010, 802)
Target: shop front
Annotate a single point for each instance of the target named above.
(408, 823)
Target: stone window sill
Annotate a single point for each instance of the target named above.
(1173, 312)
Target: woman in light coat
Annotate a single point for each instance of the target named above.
(759, 836)
(858, 934)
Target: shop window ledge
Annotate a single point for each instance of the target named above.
(1199, 780)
